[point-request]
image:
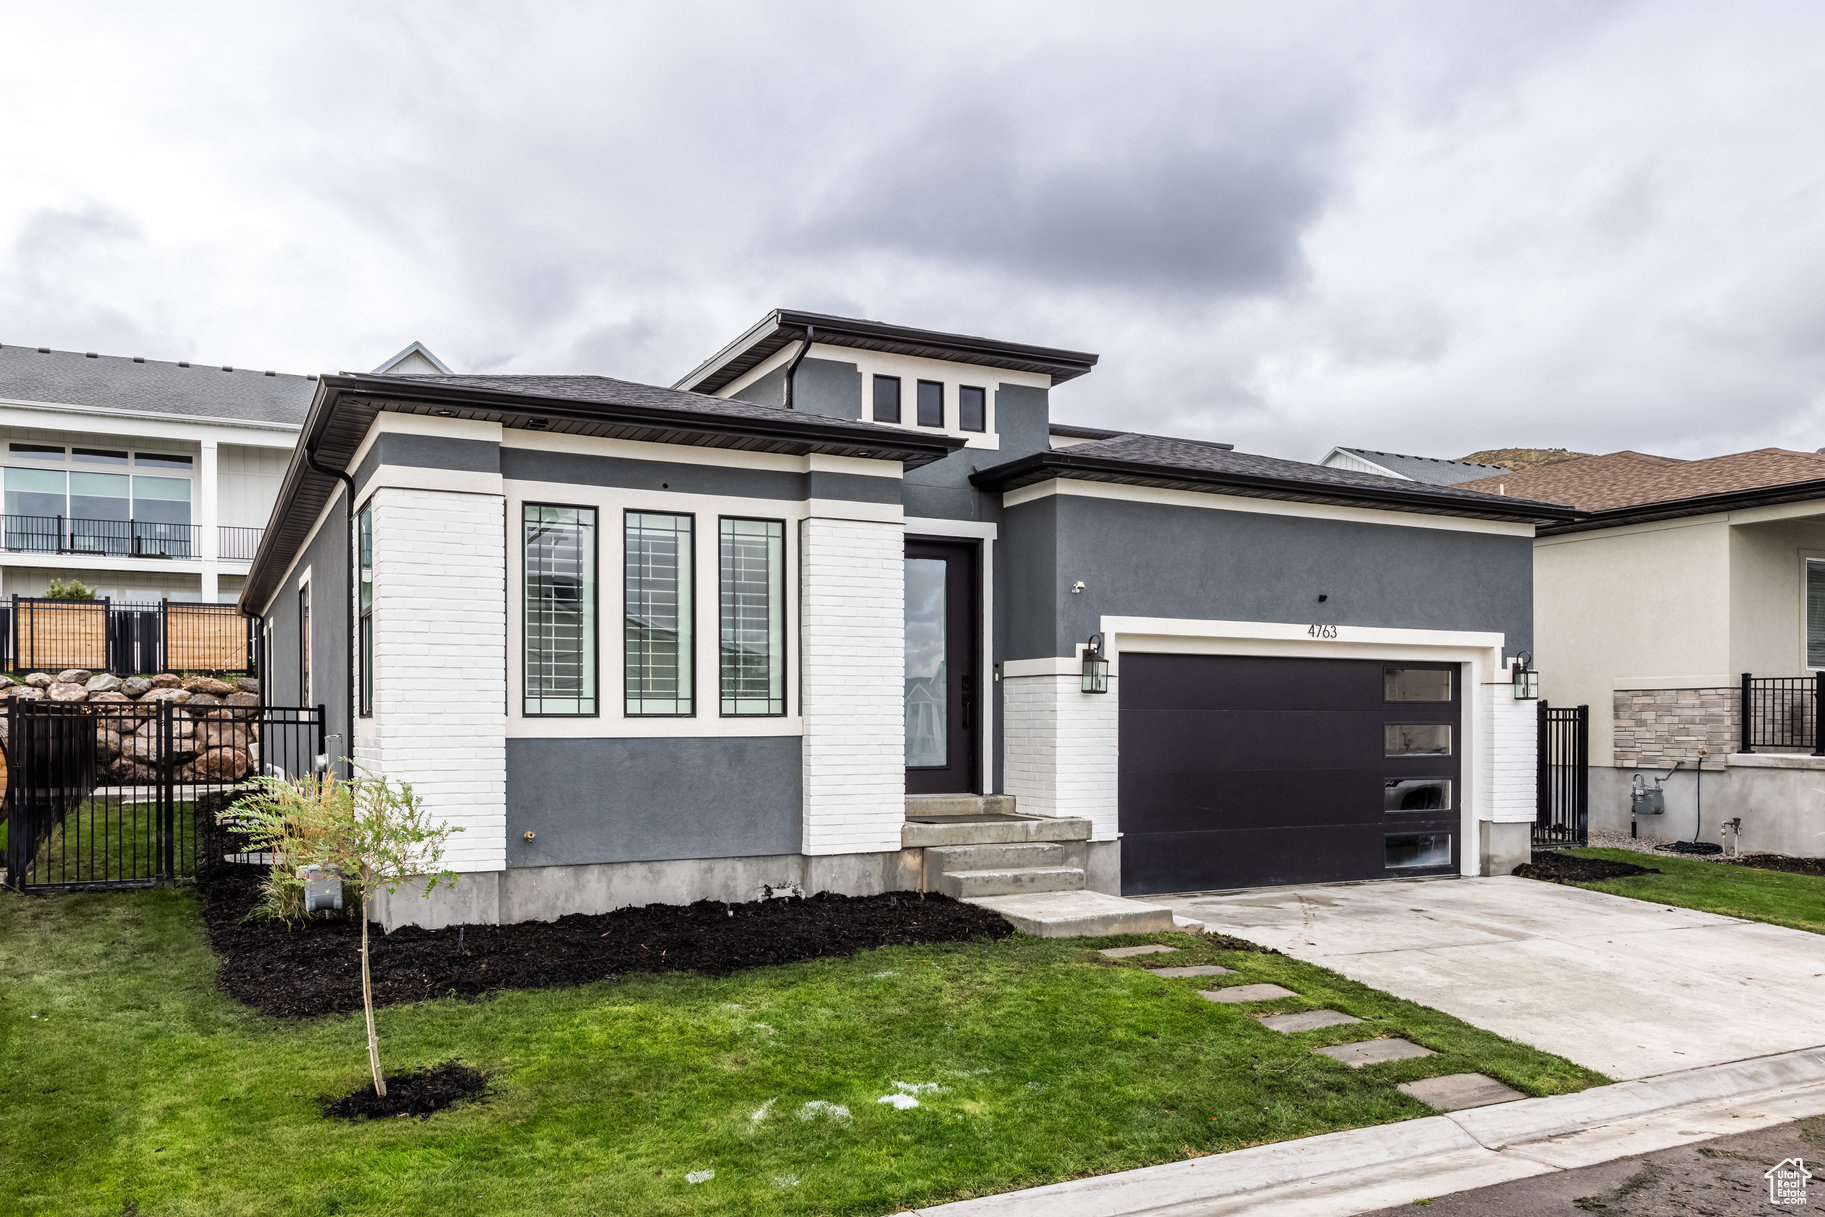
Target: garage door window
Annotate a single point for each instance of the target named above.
(1417, 739)
(1416, 684)
(1416, 794)
(1417, 850)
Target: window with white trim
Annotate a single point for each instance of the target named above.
(659, 678)
(558, 668)
(365, 604)
(752, 616)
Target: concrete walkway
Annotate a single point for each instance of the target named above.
(1364, 1169)
(1625, 987)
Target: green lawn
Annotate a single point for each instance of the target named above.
(126, 1076)
(1735, 891)
(109, 839)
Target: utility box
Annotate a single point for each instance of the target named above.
(322, 889)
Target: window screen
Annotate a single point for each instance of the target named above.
(1815, 614)
(559, 628)
(658, 614)
(753, 616)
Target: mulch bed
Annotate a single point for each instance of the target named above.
(413, 1092)
(1564, 868)
(1781, 862)
(314, 966)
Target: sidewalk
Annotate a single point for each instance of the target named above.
(1345, 1173)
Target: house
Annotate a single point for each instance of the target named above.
(829, 612)
(1689, 592)
(1430, 469)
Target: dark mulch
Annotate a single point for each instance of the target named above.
(1223, 942)
(1564, 868)
(314, 967)
(414, 1092)
(1781, 862)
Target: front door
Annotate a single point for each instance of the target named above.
(943, 696)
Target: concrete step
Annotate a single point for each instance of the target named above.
(1010, 880)
(959, 804)
(943, 858)
(1077, 914)
(1001, 832)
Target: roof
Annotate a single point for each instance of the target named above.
(782, 327)
(1153, 460)
(1074, 431)
(1629, 479)
(346, 405)
(413, 358)
(151, 386)
(1434, 470)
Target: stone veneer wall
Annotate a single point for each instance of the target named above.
(1655, 727)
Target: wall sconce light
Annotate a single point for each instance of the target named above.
(1096, 666)
(1526, 680)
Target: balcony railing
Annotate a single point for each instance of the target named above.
(238, 544)
(1783, 712)
(99, 538)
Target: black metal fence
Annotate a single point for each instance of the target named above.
(1782, 712)
(1562, 785)
(128, 639)
(101, 538)
(105, 795)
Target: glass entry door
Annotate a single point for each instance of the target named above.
(943, 697)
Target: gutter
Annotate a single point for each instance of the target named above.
(1704, 504)
(792, 368)
(348, 485)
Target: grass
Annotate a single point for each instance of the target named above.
(109, 839)
(1796, 901)
(126, 1077)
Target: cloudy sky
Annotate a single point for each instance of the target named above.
(1425, 227)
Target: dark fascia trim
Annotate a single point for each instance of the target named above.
(1060, 463)
(1698, 505)
(1074, 431)
(372, 394)
(782, 326)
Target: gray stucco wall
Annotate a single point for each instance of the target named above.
(942, 490)
(1155, 560)
(327, 559)
(820, 386)
(429, 452)
(642, 800)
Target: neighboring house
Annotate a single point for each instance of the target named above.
(1429, 469)
(823, 614)
(1684, 576)
(144, 479)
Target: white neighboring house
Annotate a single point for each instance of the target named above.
(144, 479)
(1432, 470)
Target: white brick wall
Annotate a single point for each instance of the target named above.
(1061, 748)
(440, 639)
(852, 639)
(1512, 729)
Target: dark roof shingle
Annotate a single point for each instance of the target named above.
(115, 382)
(1617, 480)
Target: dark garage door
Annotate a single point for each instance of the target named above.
(1243, 771)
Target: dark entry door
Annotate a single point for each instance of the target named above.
(943, 702)
(1245, 771)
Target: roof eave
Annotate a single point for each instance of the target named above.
(1696, 505)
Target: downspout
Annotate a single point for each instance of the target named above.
(348, 485)
(792, 368)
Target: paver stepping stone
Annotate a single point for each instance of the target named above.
(1456, 1091)
(1374, 1052)
(1203, 969)
(1307, 1020)
(1152, 948)
(1241, 993)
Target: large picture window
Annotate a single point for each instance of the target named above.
(365, 604)
(559, 673)
(659, 677)
(752, 615)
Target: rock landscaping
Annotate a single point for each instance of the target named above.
(220, 745)
(314, 967)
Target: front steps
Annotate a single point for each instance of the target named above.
(1030, 869)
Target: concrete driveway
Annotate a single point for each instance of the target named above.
(1622, 986)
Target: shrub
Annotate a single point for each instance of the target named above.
(69, 589)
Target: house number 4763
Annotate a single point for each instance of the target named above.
(1321, 631)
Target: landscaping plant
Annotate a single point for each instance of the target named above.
(69, 589)
(367, 830)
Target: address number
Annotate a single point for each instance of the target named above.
(1321, 631)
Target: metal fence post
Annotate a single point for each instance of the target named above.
(166, 811)
(15, 813)
(1582, 775)
(1745, 711)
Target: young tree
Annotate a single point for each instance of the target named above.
(368, 831)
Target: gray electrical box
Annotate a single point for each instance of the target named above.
(322, 889)
(1645, 800)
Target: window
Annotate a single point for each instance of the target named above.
(38, 452)
(558, 668)
(1416, 739)
(304, 644)
(365, 602)
(1414, 850)
(163, 460)
(1416, 794)
(753, 616)
(100, 510)
(99, 456)
(1416, 684)
(931, 404)
(659, 676)
(1815, 613)
(887, 399)
(972, 409)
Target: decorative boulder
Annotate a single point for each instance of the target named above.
(103, 682)
(247, 684)
(220, 765)
(64, 691)
(31, 694)
(7, 682)
(167, 680)
(221, 733)
(166, 693)
(108, 695)
(136, 686)
(74, 676)
(242, 699)
(203, 699)
(38, 680)
(209, 685)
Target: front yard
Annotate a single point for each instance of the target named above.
(129, 1079)
(1796, 901)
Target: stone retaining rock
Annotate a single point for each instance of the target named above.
(167, 680)
(103, 682)
(74, 676)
